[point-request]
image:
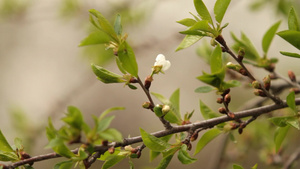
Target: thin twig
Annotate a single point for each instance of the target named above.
(295, 156)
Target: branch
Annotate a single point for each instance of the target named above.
(176, 129)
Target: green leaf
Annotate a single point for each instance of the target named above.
(235, 166)
(74, 118)
(107, 111)
(50, 130)
(206, 112)
(60, 148)
(4, 146)
(104, 123)
(104, 24)
(188, 41)
(111, 134)
(244, 42)
(187, 22)
(127, 58)
(268, 37)
(112, 160)
(152, 142)
(279, 121)
(293, 20)
(158, 111)
(215, 79)
(294, 55)
(202, 10)
(175, 99)
(106, 76)
(291, 36)
(18, 144)
(284, 121)
(216, 62)
(220, 9)
(202, 26)
(118, 25)
(8, 156)
(206, 138)
(204, 89)
(184, 157)
(161, 98)
(193, 32)
(97, 37)
(231, 83)
(165, 162)
(290, 100)
(64, 165)
(254, 167)
(279, 136)
(154, 154)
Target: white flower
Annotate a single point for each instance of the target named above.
(161, 61)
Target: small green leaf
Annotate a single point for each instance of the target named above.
(206, 138)
(254, 167)
(97, 37)
(111, 134)
(152, 142)
(235, 166)
(231, 83)
(184, 157)
(18, 144)
(104, 123)
(127, 58)
(290, 100)
(158, 111)
(215, 79)
(74, 118)
(64, 165)
(118, 25)
(50, 130)
(188, 41)
(204, 89)
(291, 36)
(220, 9)
(268, 37)
(161, 98)
(202, 10)
(294, 55)
(4, 146)
(154, 154)
(165, 162)
(60, 148)
(202, 26)
(175, 99)
(104, 24)
(187, 22)
(106, 76)
(194, 32)
(107, 111)
(206, 112)
(279, 121)
(8, 156)
(216, 62)
(279, 136)
(293, 20)
(112, 160)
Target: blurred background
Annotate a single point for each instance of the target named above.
(42, 69)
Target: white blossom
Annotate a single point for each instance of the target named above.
(161, 61)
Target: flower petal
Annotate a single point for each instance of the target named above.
(160, 57)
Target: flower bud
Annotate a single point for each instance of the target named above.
(213, 42)
(158, 110)
(227, 98)
(267, 82)
(292, 76)
(111, 150)
(148, 81)
(156, 69)
(128, 148)
(220, 100)
(241, 54)
(225, 92)
(165, 109)
(240, 130)
(133, 80)
(243, 72)
(105, 143)
(222, 110)
(194, 136)
(256, 84)
(259, 92)
(231, 115)
(147, 105)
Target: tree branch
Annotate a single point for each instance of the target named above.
(176, 129)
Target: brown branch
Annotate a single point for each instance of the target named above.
(176, 129)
